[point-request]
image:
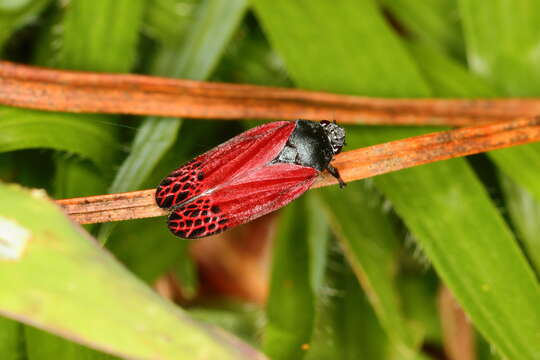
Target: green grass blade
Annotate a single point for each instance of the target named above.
(98, 35)
(507, 56)
(517, 163)
(14, 14)
(101, 35)
(524, 211)
(346, 47)
(447, 77)
(318, 235)
(346, 326)
(156, 135)
(372, 250)
(146, 246)
(41, 345)
(57, 278)
(152, 139)
(290, 304)
(197, 56)
(502, 43)
(355, 25)
(26, 129)
(435, 23)
(166, 20)
(11, 340)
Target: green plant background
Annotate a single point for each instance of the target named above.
(357, 287)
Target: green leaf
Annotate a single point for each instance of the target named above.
(346, 326)
(524, 211)
(447, 77)
(214, 24)
(166, 20)
(518, 164)
(100, 35)
(27, 129)
(372, 250)
(54, 276)
(435, 23)
(419, 291)
(196, 57)
(318, 236)
(502, 43)
(157, 135)
(11, 340)
(41, 345)
(350, 49)
(290, 304)
(237, 318)
(147, 249)
(507, 55)
(17, 13)
(146, 246)
(150, 142)
(355, 25)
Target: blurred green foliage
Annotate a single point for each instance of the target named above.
(355, 272)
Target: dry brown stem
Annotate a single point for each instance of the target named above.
(86, 92)
(353, 165)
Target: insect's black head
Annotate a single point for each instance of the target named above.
(336, 135)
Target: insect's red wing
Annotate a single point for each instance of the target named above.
(249, 150)
(243, 199)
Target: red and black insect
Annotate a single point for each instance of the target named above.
(254, 173)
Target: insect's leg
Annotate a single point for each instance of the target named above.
(335, 173)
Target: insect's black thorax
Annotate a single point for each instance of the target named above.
(308, 145)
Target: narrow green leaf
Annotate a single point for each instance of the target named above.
(146, 246)
(27, 129)
(166, 20)
(435, 23)
(148, 250)
(350, 49)
(507, 55)
(357, 25)
(215, 22)
(419, 290)
(156, 135)
(11, 340)
(100, 35)
(318, 236)
(524, 210)
(196, 57)
(17, 13)
(447, 77)
(237, 318)
(346, 326)
(55, 277)
(290, 304)
(518, 164)
(502, 43)
(521, 164)
(372, 250)
(41, 345)
(97, 35)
